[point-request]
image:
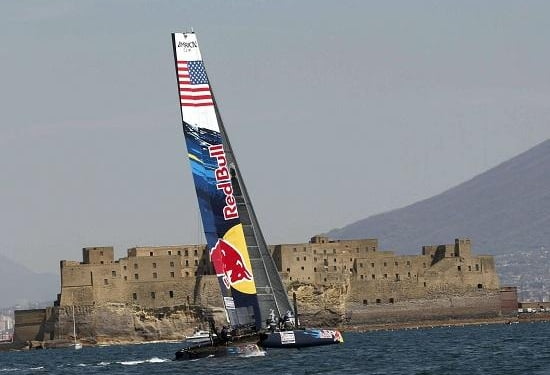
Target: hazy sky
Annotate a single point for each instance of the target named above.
(337, 110)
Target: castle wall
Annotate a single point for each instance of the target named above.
(157, 277)
(29, 325)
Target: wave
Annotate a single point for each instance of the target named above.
(151, 360)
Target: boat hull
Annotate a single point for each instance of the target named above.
(300, 338)
(219, 350)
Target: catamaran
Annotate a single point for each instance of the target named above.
(254, 296)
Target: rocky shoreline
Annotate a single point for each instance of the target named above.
(361, 328)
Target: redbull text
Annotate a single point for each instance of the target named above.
(223, 179)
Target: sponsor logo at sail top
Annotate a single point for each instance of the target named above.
(187, 45)
(223, 179)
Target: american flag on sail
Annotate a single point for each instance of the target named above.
(193, 84)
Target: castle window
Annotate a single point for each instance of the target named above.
(101, 253)
(171, 264)
(136, 276)
(351, 259)
(361, 265)
(186, 274)
(105, 281)
(396, 277)
(385, 276)
(315, 259)
(172, 274)
(152, 295)
(385, 264)
(135, 266)
(304, 258)
(314, 251)
(378, 300)
(302, 268)
(372, 265)
(150, 253)
(424, 284)
(288, 270)
(290, 277)
(324, 251)
(113, 273)
(365, 302)
(304, 250)
(334, 268)
(391, 300)
(171, 294)
(480, 286)
(102, 262)
(325, 279)
(124, 268)
(297, 259)
(373, 248)
(469, 268)
(169, 252)
(125, 278)
(362, 277)
(196, 262)
(179, 252)
(459, 268)
(154, 275)
(186, 252)
(154, 265)
(195, 252)
(409, 275)
(294, 249)
(374, 277)
(477, 267)
(334, 260)
(186, 263)
(134, 295)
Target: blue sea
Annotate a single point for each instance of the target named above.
(485, 349)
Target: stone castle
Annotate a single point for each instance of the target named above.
(163, 293)
(168, 276)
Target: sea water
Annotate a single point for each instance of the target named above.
(478, 349)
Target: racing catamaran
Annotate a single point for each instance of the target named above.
(254, 295)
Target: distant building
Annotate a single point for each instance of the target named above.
(149, 276)
(155, 277)
(383, 277)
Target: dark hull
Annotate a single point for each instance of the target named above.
(243, 345)
(300, 338)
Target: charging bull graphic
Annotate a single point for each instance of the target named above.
(229, 263)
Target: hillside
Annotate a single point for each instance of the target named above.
(505, 211)
(502, 210)
(20, 286)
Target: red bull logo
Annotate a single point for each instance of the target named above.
(229, 263)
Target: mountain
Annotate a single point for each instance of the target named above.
(21, 286)
(505, 211)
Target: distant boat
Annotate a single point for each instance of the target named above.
(255, 299)
(200, 336)
(76, 344)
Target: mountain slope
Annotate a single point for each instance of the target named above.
(504, 210)
(19, 285)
